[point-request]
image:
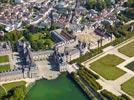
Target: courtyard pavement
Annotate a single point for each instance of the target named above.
(47, 70)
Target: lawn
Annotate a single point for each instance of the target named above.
(35, 37)
(4, 68)
(4, 59)
(9, 86)
(130, 66)
(2, 92)
(106, 67)
(128, 87)
(128, 49)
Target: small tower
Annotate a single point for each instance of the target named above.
(83, 47)
(60, 60)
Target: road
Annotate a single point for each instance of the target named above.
(44, 16)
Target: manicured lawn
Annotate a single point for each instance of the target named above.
(128, 49)
(4, 68)
(106, 67)
(2, 92)
(128, 87)
(4, 59)
(9, 86)
(130, 66)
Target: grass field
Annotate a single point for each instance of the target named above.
(4, 68)
(128, 49)
(2, 92)
(35, 37)
(128, 87)
(106, 67)
(4, 59)
(130, 66)
(9, 86)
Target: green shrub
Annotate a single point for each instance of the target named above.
(108, 95)
(90, 73)
(91, 81)
(2, 92)
(18, 93)
(82, 85)
(124, 97)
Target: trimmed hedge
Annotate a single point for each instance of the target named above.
(124, 97)
(91, 81)
(76, 78)
(110, 96)
(88, 71)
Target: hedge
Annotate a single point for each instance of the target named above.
(82, 85)
(91, 81)
(110, 96)
(88, 71)
(124, 97)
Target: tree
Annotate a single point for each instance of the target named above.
(34, 45)
(90, 4)
(108, 3)
(13, 37)
(19, 93)
(101, 4)
(40, 44)
(48, 43)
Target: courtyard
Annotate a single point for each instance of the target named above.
(106, 67)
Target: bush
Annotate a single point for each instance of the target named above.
(88, 71)
(91, 81)
(82, 85)
(124, 97)
(108, 95)
(18, 93)
(2, 92)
